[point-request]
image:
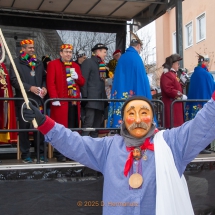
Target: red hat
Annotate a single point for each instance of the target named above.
(24, 42)
(117, 51)
(66, 46)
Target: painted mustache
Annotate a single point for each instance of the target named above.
(138, 125)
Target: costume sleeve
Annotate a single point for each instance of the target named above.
(50, 80)
(85, 68)
(91, 152)
(80, 81)
(168, 87)
(193, 136)
(14, 82)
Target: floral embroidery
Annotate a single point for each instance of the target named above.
(116, 107)
(190, 112)
(131, 92)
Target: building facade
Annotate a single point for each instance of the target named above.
(198, 33)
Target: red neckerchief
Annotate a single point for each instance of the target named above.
(146, 145)
(204, 67)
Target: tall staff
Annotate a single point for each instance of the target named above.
(4, 45)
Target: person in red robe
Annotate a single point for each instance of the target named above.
(64, 80)
(172, 89)
(7, 108)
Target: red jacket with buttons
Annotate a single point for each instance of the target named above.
(57, 88)
(170, 90)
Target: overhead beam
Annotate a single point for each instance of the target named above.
(47, 16)
(67, 6)
(145, 1)
(117, 8)
(152, 12)
(13, 3)
(40, 4)
(92, 6)
(51, 15)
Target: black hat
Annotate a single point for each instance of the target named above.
(176, 57)
(137, 98)
(171, 59)
(99, 46)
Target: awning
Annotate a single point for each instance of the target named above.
(103, 11)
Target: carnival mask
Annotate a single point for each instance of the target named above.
(138, 117)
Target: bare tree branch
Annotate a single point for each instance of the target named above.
(86, 40)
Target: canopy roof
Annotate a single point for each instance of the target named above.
(108, 16)
(143, 11)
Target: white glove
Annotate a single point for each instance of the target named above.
(56, 103)
(184, 97)
(74, 75)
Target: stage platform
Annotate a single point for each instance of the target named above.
(57, 187)
(13, 164)
(52, 163)
(205, 157)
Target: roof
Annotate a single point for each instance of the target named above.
(144, 11)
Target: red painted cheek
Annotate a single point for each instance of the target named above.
(146, 119)
(129, 120)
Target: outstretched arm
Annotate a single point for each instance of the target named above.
(193, 136)
(91, 152)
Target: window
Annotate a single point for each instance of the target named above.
(200, 28)
(174, 43)
(189, 35)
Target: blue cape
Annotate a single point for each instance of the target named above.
(201, 86)
(129, 79)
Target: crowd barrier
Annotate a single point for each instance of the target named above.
(24, 130)
(158, 104)
(184, 101)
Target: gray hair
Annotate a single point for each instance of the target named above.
(134, 43)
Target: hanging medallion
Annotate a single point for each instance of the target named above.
(145, 157)
(137, 153)
(3, 82)
(32, 73)
(135, 180)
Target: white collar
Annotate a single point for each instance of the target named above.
(165, 70)
(173, 70)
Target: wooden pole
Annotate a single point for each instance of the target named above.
(17, 76)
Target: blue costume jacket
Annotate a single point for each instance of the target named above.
(201, 86)
(108, 155)
(129, 79)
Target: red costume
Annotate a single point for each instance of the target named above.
(57, 88)
(171, 89)
(7, 110)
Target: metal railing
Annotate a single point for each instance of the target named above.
(159, 112)
(25, 130)
(183, 101)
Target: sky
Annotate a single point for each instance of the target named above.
(148, 37)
